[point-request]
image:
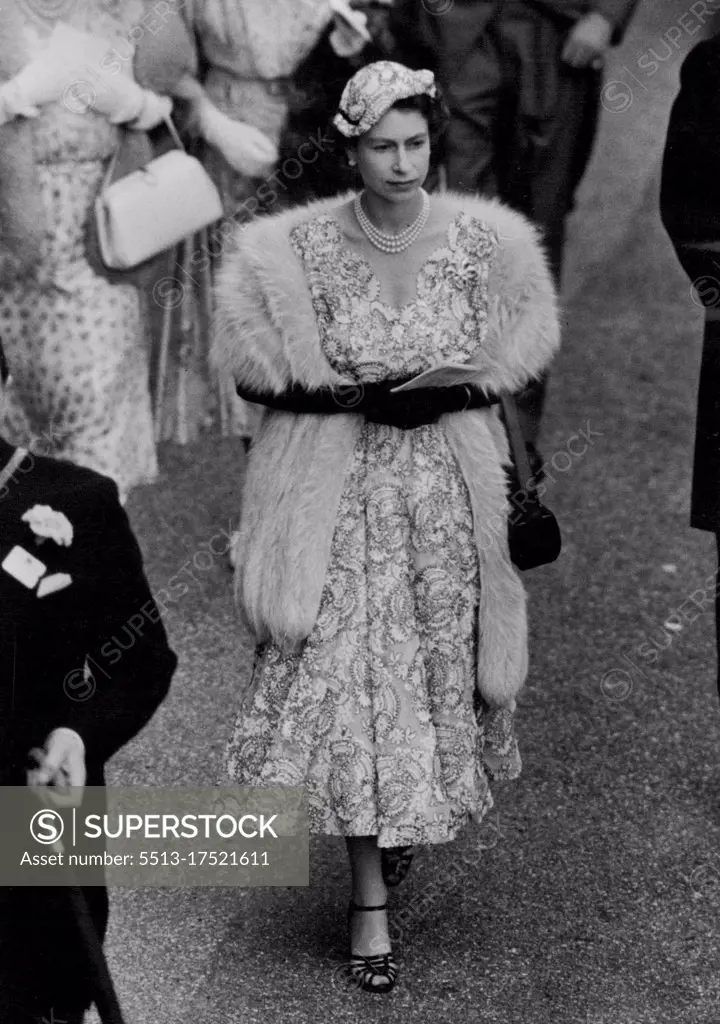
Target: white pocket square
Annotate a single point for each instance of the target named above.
(51, 584)
(24, 567)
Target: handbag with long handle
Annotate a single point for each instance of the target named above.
(153, 208)
(534, 537)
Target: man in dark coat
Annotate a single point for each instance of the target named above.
(522, 79)
(690, 210)
(71, 580)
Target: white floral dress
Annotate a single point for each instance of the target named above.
(378, 715)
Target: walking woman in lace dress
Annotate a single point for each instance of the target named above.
(370, 566)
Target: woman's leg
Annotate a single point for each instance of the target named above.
(368, 932)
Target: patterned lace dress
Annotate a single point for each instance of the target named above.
(378, 716)
(75, 344)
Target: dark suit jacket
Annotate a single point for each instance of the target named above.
(44, 642)
(690, 210)
(617, 12)
(107, 616)
(428, 29)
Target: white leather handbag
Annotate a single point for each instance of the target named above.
(152, 209)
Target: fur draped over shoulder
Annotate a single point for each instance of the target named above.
(266, 336)
(265, 320)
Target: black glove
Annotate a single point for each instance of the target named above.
(299, 399)
(405, 410)
(410, 409)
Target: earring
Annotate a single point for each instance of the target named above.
(352, 162)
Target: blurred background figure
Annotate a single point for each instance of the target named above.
(251, 50)
(72, 337)
(79, 88)
(690, 210)
(358, 34)
(522, 80)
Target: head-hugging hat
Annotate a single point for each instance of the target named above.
(371, 92)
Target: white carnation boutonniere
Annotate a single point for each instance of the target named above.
(46, 523)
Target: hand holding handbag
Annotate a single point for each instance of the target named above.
(152, 209)
(533, 531)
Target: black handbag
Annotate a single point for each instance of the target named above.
(533, 531)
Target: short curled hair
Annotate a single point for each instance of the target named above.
(433, 108)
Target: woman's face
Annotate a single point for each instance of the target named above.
(393, 158)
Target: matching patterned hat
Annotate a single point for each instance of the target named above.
(371, 92)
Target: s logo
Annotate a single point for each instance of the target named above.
(46, 827)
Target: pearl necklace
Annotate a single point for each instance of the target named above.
(392, 243)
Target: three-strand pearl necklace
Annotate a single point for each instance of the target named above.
(392, 243)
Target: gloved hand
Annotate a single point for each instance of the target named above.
(54, 69)
(73, 69)
(60, 765)
(350, 32)
(121, 100)
(46, 79)
(408, 410)
(246, 149)
(588, 41)
(375, 401)
(155, 109)
(118, 97)
(14, 102)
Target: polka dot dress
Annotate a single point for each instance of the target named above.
(76, 345)
(77, 350)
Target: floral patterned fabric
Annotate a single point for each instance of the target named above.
(378, 715)
(372, 90)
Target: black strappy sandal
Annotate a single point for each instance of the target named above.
(365, 969)
(396, 861)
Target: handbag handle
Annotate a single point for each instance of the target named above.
(517, 442)
(110, 173)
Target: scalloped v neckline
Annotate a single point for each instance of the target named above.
(396, 310)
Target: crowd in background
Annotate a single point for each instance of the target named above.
(522, 81)
(391, 642)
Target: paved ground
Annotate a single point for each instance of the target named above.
(592, 896)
